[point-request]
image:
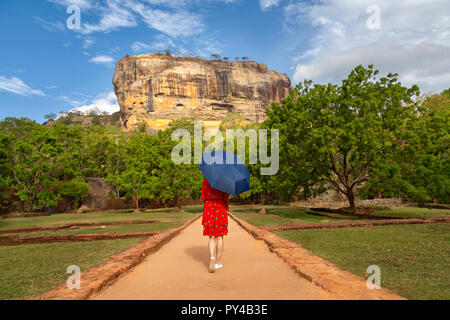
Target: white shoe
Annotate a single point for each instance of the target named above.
(218, 266)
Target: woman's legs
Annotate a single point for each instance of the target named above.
(212, 246)
(212, 253)
(219, 249)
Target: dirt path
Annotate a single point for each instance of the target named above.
(179, 271)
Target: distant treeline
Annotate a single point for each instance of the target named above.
(369, 136)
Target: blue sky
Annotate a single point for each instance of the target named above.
(46, 67)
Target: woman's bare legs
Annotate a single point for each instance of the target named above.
(215, 245)
(219, 249)
(212, 253)
(212, 247)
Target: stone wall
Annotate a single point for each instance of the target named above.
(99, 194)
(320, 202)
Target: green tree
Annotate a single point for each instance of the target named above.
(44, 163)
(335, 134)
(262, 187)
(419, 168)
(177, 182)
(76, 189)
(136, 176)
(33, 167)
(5, 168)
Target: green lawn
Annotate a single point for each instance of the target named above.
(29, 270)
(256, 208)
(414, 259)
(194, 209)
(411, 212)
(284, 215)
(172, 222)
(258, 219)
(292, 215)
(98, 217)
(303, 215)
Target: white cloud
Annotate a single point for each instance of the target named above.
(168, 3)
(73, 102)
(114, 49)
(88, 43)
(105, 102)
(183, 3)
(113, 17)
(50, 26)
(177, 20)
(162, 43)
(207, 45)
(102, 60)
(17, 86)
(204, 46)
(267, 4)
(140, 46)
(174, 24)
(414, 40)
(83, 4)
(425, 64)
(170, 17)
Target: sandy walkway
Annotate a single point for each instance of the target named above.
(179, 271)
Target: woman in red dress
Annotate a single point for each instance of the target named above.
(215, 222)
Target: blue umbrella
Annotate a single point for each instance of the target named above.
(225, 172)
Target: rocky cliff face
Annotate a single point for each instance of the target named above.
(161, 88)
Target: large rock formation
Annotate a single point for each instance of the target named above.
(159, 88)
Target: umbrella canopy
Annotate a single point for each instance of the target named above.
(225, 172)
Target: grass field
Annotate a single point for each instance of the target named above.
(98, 217)
(29, 270)
(165, 220)
(283, 215)
(292, 215)
(411, 212)
(414, 259)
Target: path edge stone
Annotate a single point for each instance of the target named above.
(104, 274)
(324, 274)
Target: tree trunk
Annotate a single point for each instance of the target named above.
(30, 205)
(351, 199)
(137, 203)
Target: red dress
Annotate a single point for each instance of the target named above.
(215, 209)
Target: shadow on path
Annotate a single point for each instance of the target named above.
(199, 253)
